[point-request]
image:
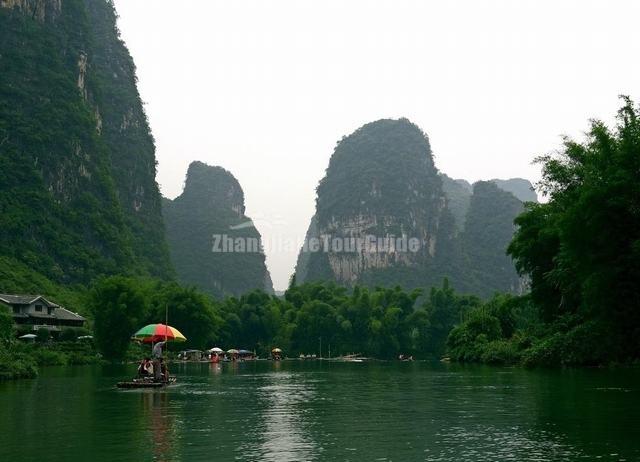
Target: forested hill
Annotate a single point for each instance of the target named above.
(209, 212)
(78, 195)
(459, 194)
(382, 181)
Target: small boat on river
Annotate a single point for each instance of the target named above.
(145, 383)
(154, 374)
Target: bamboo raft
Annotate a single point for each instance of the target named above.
(145, 383)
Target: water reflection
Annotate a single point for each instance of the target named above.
(160, 422)
(285, 437)
(488, 443)
(324, 412)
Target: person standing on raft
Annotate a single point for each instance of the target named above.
(157, 356)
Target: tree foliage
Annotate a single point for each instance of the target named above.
(582, 248)
(193, 311)
(6, 326)
(119, 307)
(67, 165)
(379, 322)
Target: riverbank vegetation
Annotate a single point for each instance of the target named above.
(579, 253)
(21, 359)
(378, 322)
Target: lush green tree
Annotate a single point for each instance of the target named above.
(582, 249)
(190, 311)
(534, 247)
(120, 307)
(380, 322)
(466, 341)
(316, 320)
(251, 321)
(445, 310)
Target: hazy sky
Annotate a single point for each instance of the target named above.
(266, 88)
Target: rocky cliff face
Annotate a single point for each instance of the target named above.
(78, 194)
(458, 193)
(382, 182)
(122, 124)
(40, 10)
(213, 244)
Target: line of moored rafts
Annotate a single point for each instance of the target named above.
(154, 373)
(216, 355)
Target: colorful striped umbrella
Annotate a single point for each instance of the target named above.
(157, 333)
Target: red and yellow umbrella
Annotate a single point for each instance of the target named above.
(158, 333)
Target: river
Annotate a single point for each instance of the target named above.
(324, 411)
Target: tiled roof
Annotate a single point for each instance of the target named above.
(42, 315)
(59, 313)
(23, 299)
(18, 299)
(63, 313)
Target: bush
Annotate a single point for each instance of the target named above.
(500, 352)
(135, 351)
(583, 345)
(78, 359)
(468, 341)
(587, 345)
(43, 335)
(68, 335)
(6, 325)
(545, 352)
(47, 357)
(22, 330)
(17, 366)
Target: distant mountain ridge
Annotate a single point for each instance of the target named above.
(79, 198)
(459, 194)
(519, 187)
(382, 181)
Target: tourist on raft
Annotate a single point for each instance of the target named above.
(145, 369)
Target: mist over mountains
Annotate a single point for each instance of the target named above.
(79, 197)
(382, 181)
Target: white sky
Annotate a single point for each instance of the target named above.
(266, 88)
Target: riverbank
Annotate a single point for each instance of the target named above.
(22, 361)
(569, 344)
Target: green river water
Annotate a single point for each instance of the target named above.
(324, 411)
